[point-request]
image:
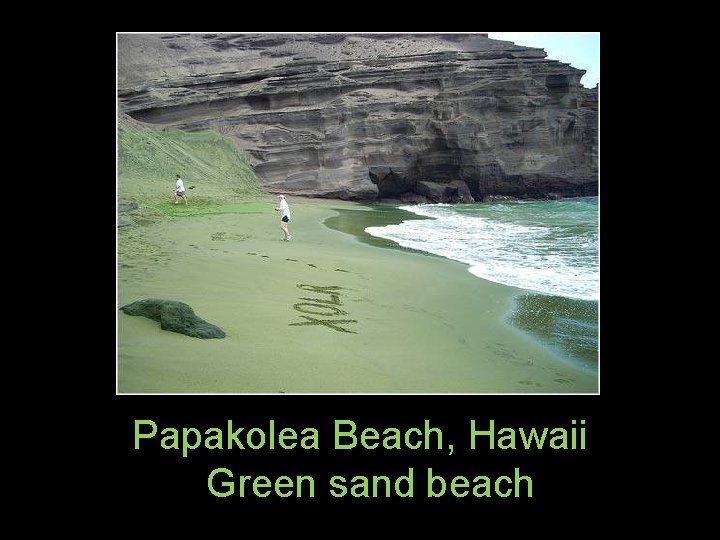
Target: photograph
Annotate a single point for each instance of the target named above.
(358, 213)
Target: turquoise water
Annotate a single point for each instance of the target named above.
(549, 249)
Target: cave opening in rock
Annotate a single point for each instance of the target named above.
(557, 85)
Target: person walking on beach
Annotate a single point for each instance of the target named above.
(284, 210)
(179, 189)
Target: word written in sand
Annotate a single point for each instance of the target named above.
(323, 307)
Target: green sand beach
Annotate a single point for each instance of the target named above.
(419, 323)
(411, 322)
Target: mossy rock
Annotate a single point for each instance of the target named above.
(174, 316)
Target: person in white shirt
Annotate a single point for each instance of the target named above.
(284, 210)
(179, 189)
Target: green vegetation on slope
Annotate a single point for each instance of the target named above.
(214, 172)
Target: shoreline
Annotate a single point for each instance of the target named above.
(546, 316)
(423, 324)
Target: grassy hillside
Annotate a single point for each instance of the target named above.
(217, 178)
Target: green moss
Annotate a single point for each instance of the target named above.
(213, 170)
(206, 208)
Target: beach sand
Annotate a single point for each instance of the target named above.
(421, 324)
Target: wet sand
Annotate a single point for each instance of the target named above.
(412, 323)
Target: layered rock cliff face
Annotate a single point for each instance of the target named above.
(412, 117)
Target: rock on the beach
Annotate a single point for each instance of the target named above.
(126, 206)
(462, 192)
(123, 207)
(124, 221)
(175, 317)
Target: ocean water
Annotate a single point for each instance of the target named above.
(548, 249)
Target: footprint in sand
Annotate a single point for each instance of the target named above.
(562, 381)
(341, 270)
(293, 260)
(529, 383)
(251, 253)
(310, 264)
(265, 256)
(504, 353)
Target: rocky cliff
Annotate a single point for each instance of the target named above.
(413, 117)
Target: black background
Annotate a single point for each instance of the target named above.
(152, 484)
(565, 481)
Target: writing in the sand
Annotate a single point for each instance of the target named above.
(324, 304)
(347, 435)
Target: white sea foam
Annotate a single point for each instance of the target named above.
(550, 247)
